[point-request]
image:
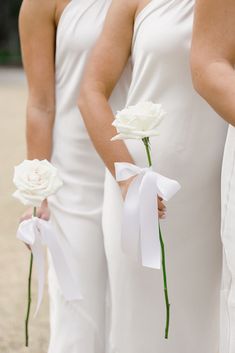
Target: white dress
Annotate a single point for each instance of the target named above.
(78, 327)
(228, 238)
(189, 149)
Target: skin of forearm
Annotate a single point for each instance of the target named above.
(99, 125)
(39, 129)
(215, 82)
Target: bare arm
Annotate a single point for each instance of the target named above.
(213, 55)
(37, 35)
(102, 73)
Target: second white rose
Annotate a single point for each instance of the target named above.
(138, 121)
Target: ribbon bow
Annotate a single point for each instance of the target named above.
(140, 218)
(38, 233)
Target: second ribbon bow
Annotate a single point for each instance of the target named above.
(140, 218)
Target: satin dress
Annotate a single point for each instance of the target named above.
(189, 149)
(228, 239)
(79, 327)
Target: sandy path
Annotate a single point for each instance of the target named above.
(14, 257)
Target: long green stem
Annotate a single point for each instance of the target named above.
(165, 284)
(29, 293)
(147, 147)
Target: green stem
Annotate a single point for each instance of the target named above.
(165, 284)
(147, 147)
(29, 293)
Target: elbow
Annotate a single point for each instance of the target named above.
(199, 75)
(41, 109)
(90, 95)
(40, 119)
(83, 98)
(86, 95)
(200, 62)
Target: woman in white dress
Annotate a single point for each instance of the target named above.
(156, 36)
(56, 38)
(213, 59)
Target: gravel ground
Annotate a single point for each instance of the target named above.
(14, 257)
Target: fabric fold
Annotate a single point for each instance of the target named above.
(39, 234)
(140, 217)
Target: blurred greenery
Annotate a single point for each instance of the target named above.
(9, 38)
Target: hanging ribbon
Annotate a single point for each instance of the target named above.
(38, 233)
(140, 216)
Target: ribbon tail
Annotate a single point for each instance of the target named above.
(69, 286)
(29, 234)
(26, 232)
(131, 221)
(150, 243)
(140, 231)
(39, 260)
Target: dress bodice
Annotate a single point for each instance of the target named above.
(161, 73)
(78, 29)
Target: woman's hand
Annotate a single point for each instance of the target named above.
(124, 186)
(43, 212)
(161, 208)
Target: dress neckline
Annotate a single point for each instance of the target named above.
(65, 10)
(145, 8)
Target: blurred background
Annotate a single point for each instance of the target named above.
(14, 257)
(9, 40)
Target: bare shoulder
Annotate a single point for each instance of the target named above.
(34, 11)
(214, 23)
(219, 10)
(128, 4)
(128, 7)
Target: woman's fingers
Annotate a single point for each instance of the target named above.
(43, 212)
(161, 215)
(26, 215)
(160, 205)
(161, 208)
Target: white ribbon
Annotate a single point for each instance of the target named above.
(140, 216)
(38, 233)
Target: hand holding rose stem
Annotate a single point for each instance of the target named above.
(35, 181)
(141, 121)
(147, 147)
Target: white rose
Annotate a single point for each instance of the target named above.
(138, 121)
(35, 180)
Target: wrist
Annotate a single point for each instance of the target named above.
(124, 186)
(44, 203)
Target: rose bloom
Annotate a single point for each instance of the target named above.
(138, 121)
(35, 181)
